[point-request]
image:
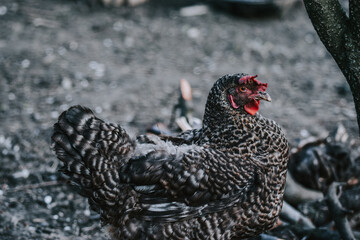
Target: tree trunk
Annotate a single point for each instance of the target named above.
(341, 36)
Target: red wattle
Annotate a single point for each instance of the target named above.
(233, 104)
(252, 107)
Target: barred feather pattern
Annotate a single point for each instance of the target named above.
(92, 151)
(223, 181)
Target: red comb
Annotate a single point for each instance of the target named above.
(248, 79)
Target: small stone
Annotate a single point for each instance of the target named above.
(50, 100)
(304, 133)
(70, 196)
(22, 174)
(25, 63)
(73, 45)
(38, 220)
(3, 10)
(87, 212)
(47, 199)
(48, 59)
(66, 83)
(84, 83)
(54, 114)
(11, 96)
(2, 139)
(196, 10)
(16, 148)
(107, 42)
(62, 51)
(68, 98)
(5, 152)
(98, 109)
(193, 33)
(118, 26)
(64, 107)
(98, 68)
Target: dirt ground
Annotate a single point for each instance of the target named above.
(126, 64)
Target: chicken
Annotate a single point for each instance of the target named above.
(223, 181)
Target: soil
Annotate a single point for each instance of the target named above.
(126, 63)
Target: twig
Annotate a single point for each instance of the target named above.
(292, 215)
(339, 212)
(184, 102)
(33, 186)
(296, 193)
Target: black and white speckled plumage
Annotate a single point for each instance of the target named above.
(224, 181)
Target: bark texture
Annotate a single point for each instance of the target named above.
(341, 36)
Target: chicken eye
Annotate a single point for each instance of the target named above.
(242, 89)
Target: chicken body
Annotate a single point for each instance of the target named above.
(224, 181)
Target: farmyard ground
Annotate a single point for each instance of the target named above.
(126, 64)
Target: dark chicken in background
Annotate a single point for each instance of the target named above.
(223, 181)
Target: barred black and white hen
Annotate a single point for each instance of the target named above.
(223, 181)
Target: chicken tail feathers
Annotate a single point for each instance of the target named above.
(92, 152)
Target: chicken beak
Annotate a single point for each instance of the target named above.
(263, 96)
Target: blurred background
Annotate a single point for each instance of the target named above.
(124, 59)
